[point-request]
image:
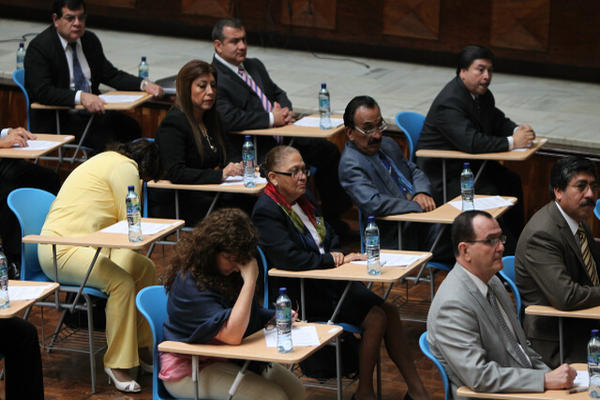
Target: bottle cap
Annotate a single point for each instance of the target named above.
(595, 332)
(371, 218)
(247, 137)
(130, 188)
(143, 58)
(323, 86)
(21, 44)
(282, 290)
(466, 164)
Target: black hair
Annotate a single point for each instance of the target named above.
(471, 53)
(217, 31)
(355, 103)
(566, 168)
(462, 228)
(145, 153)
(57, 6)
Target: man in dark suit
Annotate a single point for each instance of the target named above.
(247, 98)
(64, 65)
(464, 117)
(472, 327)
(557, 258)
(381, 181)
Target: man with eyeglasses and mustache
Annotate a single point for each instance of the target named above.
(378, 178)
(557, 258)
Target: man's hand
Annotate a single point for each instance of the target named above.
(560, 378)
(354, 257)
(153, 89)
(92, 103)
(523, 136)
(281, 116)
(426, 202)
(16, 136)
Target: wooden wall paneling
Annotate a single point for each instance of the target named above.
(112, 3)
(309, 13)
(12, 107)
(520, 24)
(211, 8)
(412, 18)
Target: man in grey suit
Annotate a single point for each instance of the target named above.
(378, 178)
(557, 258)
(472, 325)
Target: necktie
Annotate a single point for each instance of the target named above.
(404, 184)
(79, 78)
(523, 358)
(256, 89)
(588, 260)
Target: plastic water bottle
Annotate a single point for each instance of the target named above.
(283, 316)
(134, 220)
(467, 190)
(593, 351)
(324, 107)
(21, 56)
(4, 301)
(143, 69)
(248, 158)
(372, 247)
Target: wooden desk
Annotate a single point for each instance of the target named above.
(547, 395)
(21, 152)
(18, 305)
(102, 239)
(514, 155)
(109, 107)
(548, 311)
(253, 348)
(352, 272)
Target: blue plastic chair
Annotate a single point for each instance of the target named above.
(597, 209)
(411, 124)
(31, 206)
(508, 274)
(424, 345)
(18, 77)
(151, 301)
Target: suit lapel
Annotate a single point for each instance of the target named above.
(236, 79)
(255, 74)
(383, 175)
(565, 231)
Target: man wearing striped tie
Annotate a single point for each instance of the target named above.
(557, 258)
(247, 98)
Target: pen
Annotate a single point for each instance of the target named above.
(577, 390)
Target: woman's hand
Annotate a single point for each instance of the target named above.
(249, 271)
(233, 169)
(338, 258)
(354, 257)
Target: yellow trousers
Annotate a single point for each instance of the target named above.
(120, 273)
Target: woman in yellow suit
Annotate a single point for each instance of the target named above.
(92, 198)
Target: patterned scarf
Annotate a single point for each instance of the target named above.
(305, 205)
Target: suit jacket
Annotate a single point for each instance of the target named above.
(238, 105)
(47, 74)
(550, 271)
(462, 332)
(372, 189)
(452, 123)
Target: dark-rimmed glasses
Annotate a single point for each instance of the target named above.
(490, 241)
(295, 172)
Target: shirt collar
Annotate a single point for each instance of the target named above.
(573, 225)
(64, 43)
(479, 284)
(232, 67)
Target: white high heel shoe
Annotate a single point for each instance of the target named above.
(127, 387)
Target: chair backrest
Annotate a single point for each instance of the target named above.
(508, 274)
(411, 123)
(152, 303)
(424, 345)
(19, 78)
(30, 207)
(597, 209)
(263, 260)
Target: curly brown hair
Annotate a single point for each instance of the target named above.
(228, 230)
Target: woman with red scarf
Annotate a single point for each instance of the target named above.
(294, 236)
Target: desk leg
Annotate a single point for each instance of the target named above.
(212, 205)
(338, 367)
(560, 339)
(56, 114)
(238, 380)
(177, 210)
(55, 276)
(444, 178)
(195, 376)
(479, 173)
(85, 132)
(87, 275)
(399, 235)
(302, 299)
(339, 304)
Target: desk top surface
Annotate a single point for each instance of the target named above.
(444, 214)
(109, 106)
(23, 153)
(358, 272)
(109, 240)
(547, 395)
(239, 188)
(18, 305)
(295, 130)
(254, 347)
(515, 155)
(548, 311)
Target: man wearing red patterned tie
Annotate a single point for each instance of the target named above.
(247, 98)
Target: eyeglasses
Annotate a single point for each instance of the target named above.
(382, 127)
(71, 17)
(584, 185)
(490, 242)
(295, 172)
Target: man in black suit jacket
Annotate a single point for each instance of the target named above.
(464, 117)
(51, 78)
(240, 107)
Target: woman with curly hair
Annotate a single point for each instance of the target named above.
(211, 286)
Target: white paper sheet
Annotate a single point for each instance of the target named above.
(120, 98)
(301, 336)
(239, 180)
(148, 228)
(582, 379)
(26, 292)
(36, 145)
(485, 203)
(536, 141)
(313, 122)
(393, 260)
